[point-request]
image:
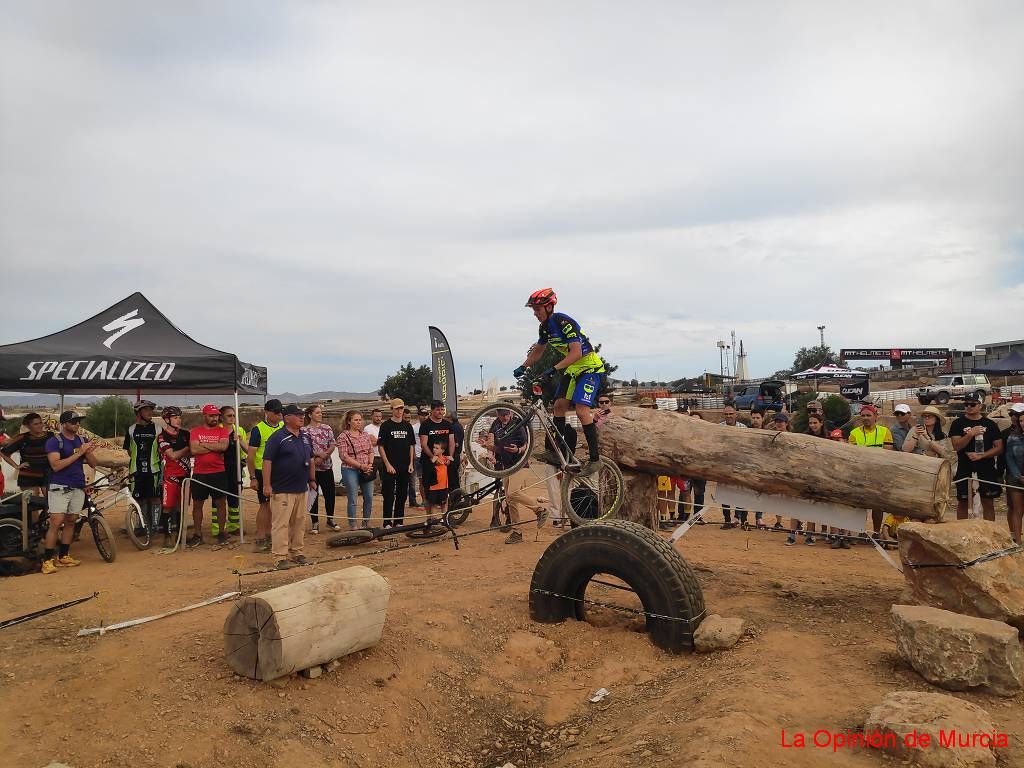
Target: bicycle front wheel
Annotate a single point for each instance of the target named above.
(586, 498)
(480, 428)
(104, 537)
(138, 527)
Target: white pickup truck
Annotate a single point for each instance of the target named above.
(955, 387)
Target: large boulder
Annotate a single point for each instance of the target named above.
(961, 735)
(958, 652)
(990, 590)
(717, 634)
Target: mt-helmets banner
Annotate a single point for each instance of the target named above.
(442, 367)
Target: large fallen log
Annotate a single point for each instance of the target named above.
(306, 623)
(782, 463)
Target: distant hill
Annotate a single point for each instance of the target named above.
(51, 401)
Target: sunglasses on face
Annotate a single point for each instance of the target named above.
(604, 402)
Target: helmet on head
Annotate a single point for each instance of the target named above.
(144, 404)
(545, 297)
(169, 411)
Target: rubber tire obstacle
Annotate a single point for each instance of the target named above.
(653, 569)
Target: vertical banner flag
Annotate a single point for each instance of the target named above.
(443, 369)
(855, 390)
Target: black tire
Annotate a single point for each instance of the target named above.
(942, 398)
(103, 537)
(459, 506)
(350, 538)
(137, 526)
(654, 570)
(586, 499)
(479, 426)
(10, 537)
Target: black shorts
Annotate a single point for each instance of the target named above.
(218, 482)
(144, 486)
(987, 490)
(259, 487)
(437, 498)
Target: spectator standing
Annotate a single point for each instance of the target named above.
(434, 429)
(815, 428)
(815, 408)
(373, 430)
(144, 462)
(232, 470)
(730, 420)
(454, 469)
(871, 434)
(173, 446)
(604, 410)
(396, 448)
(356, 452)
(321, 437)
(288, 473)
(1013, 450)
(258, 436)
(414, 420)
(756, 420)
(977, 442)
(507, 452)
(33, 465)
(66, 451)
(208, 444)
(904, 426)
(924, 438)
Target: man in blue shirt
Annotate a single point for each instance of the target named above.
(66, 452)
(288, 472)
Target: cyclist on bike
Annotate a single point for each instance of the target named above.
(582, 369)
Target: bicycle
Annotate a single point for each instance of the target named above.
(585, 498)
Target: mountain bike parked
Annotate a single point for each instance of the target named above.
(603, 490)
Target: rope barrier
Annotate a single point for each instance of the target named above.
(1015, 550)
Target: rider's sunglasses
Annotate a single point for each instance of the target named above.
(604, 402)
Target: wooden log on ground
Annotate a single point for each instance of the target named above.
(783, 463)
(640, 500)
(310, 622)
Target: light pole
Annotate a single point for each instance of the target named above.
(821, 332)
(721, 359)
(481, 379)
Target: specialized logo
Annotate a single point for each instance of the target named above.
(122, 325)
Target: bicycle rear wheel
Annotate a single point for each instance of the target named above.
(479, 428)
(586, 498)
(349, 538)
(104, 538)
(139, 528)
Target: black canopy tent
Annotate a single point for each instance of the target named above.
(131, 346)
(1011, 365)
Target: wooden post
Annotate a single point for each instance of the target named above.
(310, 622)
(640, 502)
(782, 463)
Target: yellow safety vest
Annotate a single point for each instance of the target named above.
(265, 431)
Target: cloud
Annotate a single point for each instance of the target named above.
(313, 184)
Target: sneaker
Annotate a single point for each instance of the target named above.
(334, 526)
(283, 565)
(549, 457)
(300, 560)
(790, 541)
(194, 541)
(67, 561)
(48, 566)
(844, 544)
(810, 541)
(777, 527)
(223, 539)
(727, 525)
(542, 517)
(315, 530)
(514, 538)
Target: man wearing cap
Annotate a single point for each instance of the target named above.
(977, 442)
(507, 451)
(66, 451)
(416, 418)
(258, 437)
(814, 408)
(1013, 453)
(904, 426)
(208, 443)
(871, 434)
(288, 472)
(396, 450)
(144, 462)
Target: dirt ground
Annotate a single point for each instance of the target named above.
(462, 676)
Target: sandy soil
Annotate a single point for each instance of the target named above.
(462, 676)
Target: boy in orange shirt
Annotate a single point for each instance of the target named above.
(437, 491)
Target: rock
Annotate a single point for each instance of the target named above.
(958, 652)
(906, 712)
(717, 634)
(990, 590)
(313, 672)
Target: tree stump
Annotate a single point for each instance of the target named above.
(310, 622)
(640, 499)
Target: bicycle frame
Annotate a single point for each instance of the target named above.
(536, 407)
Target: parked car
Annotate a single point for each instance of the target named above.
(768, 395)
(955, 387)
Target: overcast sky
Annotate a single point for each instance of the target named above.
(310, 184)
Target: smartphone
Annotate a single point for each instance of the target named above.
(920, 421)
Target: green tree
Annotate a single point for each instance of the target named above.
(808, 357)
(109, 417)
(414, 385)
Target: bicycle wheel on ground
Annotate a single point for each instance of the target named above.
(104, 538)
(349, 538)
(138, 527)
(459, 507)
(10, 536)
(587, 498)
(479, 428)
(431, 532)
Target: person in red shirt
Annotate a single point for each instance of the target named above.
(208, 444)
(173, 446)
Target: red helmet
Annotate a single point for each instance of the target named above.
(545, 297)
